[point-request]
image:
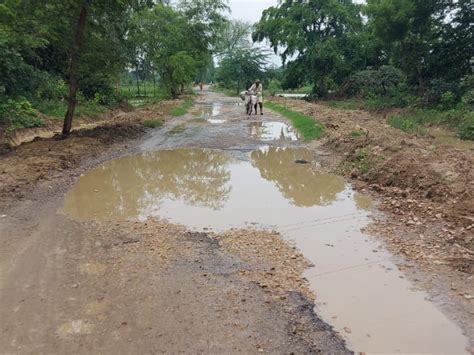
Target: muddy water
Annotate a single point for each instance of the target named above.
(357, 283)
(270, 131)
(209, 112)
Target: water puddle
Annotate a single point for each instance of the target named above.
(359, 289)
(271, 131)
(208, 112)
(447, 138)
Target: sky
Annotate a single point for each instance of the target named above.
(249, 10)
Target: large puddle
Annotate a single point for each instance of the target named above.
(359, 289)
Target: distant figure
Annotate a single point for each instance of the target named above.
(200, 85)
(257, 90)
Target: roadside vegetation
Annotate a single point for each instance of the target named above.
(63, 59)
(413, 57)
(307, 126)
(183, 108)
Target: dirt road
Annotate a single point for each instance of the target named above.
(75, 286)
(205, 236)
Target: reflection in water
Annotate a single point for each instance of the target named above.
(301, 185)
(208, 111)
(364, 202)
(271, 131)
(134, 185)
(357, 284)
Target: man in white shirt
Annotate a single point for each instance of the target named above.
(257, 89)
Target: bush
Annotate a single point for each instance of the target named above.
(386, 81)
(274, 86)
(466, 129)
(441, 93)
(406, 123)
(18, 114)
(50, 87)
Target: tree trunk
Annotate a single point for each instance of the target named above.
(73, 85)
(138, 81)
(154, 84)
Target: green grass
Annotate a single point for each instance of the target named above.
(57, 109)
(182, 109)
(406, 124)
(356, 133)
(153, 123)
(307, 126)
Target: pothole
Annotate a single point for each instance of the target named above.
(358, 286)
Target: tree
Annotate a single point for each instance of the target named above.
(312, 37)
(408, 29)
(241, 67)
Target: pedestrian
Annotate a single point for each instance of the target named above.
(200, 85)
(257, 90)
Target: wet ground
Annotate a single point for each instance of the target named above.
(222, 170)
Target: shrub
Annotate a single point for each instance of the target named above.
(18, 114)
(407, 124)
(385, 81)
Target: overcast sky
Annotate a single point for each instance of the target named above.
(249, 10)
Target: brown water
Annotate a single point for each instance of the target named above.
(210, 112)
(359, 289)
(271, 131)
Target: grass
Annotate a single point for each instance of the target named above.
(307, 126)
(57, 109)
(356, 133)
(361, 162)
(406, 124)
(153, 123)
(182, 109)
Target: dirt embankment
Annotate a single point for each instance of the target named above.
(45, 158)
(425, 188)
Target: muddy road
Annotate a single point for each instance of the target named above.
(206, 236)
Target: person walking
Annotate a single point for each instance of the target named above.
(257, 90)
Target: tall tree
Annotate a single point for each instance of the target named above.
(311, 36)
(408, 29)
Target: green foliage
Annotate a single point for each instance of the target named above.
(361, 160)
(406, 124)
(154, 123)
(318, 36)
(356, 133)
(274, 86)
(239, 68)
(307, 126)
(182, 109)
(18, 114)
(384, 81)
